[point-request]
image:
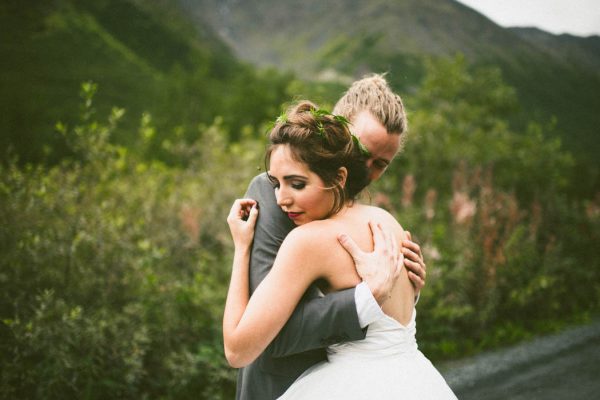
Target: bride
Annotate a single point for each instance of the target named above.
(317, 169)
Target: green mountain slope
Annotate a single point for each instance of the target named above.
(144, 55)
(554, 76)
(566, 49)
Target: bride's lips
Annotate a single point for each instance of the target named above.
(293, 215)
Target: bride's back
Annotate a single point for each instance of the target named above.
(338, 267)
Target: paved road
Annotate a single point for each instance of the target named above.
(561, 366)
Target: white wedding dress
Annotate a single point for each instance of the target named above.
(385, 365)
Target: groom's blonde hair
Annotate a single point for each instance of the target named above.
(373, 94)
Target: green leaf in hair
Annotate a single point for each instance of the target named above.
(364, 151)
(341, 119)
(282, 119)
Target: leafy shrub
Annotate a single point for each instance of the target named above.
(114, 268)
(492, 211)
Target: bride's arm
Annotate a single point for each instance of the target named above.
(250, 324)
(241, 220)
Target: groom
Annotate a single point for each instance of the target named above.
(377, 117)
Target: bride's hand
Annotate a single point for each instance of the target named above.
(241, 220)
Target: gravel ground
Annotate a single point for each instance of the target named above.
(560, 366)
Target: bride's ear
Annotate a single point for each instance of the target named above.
(342, 175)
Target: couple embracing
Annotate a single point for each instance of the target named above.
(321, 303)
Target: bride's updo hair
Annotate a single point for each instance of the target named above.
(324, 143)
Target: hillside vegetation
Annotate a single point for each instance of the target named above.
(557, 78)
(115, 267)
(145, 57)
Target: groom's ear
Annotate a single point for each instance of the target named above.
(342, 175)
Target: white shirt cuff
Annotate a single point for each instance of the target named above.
(366, 306)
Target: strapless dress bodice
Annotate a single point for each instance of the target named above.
(385, 337)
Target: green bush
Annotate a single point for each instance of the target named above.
(115, 265)
(504, 238)
(114, 269)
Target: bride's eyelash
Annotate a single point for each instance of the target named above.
(299, 185)
(274, 182)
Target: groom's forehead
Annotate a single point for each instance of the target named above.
(365, 123)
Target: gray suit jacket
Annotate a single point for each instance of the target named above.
(316, 322)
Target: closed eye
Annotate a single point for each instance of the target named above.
(298, 185)
(274, 181)
(380, 164)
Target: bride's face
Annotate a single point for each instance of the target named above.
(300, 193)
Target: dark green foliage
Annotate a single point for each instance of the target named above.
(113, 270)
(504, 236)
(146, 58)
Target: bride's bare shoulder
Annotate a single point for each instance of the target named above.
(320, 236)
(309, 245)
(379, 215)
(313, 233)
(383, 217)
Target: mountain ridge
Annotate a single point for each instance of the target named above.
(555, 76)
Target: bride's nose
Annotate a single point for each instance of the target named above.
(283, 197)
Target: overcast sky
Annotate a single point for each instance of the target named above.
(577, 17)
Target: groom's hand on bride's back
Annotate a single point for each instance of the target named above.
(413, 261)
(379, 268)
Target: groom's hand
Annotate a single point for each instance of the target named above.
(413, 261)
(380, 268)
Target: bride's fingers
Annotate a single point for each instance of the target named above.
(234, 212)
(252, 215)
(246, 204)
(240, 209)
